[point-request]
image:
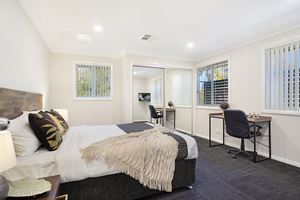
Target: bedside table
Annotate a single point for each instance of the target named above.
(51, 195)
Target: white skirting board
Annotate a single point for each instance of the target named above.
(274, 157)
(184, 131)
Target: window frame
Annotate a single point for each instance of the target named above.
(75, 97)
(265, 110)
(204, 65)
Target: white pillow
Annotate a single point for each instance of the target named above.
(25, 142)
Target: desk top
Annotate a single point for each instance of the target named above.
(167, 109)
(250, 119)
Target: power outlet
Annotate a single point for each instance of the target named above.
(218, 131)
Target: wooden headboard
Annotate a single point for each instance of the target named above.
(14, 102)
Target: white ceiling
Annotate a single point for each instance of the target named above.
(212, 25)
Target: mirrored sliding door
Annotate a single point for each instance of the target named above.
(178, 94)
(163, 96)
(147, 91)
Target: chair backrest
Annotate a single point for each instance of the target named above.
(236, 123)
(152, 111)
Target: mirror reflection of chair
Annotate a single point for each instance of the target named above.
(155, 115)
(238, 126)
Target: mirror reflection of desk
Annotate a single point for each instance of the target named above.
(168, 110)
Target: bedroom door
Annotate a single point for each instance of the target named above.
(148, 94)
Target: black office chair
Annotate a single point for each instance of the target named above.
(238, 126)
(154, 114)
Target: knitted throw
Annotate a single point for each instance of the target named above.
(147, 156)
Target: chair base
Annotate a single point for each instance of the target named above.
(157, 120)
(235, 152)
(241, 151)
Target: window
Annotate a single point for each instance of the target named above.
(282, 77)
(212, 84)
(93, 81)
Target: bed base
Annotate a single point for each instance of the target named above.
(122, 186)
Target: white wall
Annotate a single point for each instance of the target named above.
(24, 57)
(88, 112)
(140, 108)
(246, 93)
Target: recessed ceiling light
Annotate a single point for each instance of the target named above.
(190, 45)
(134, 73)
(84, 37)
(98, 28)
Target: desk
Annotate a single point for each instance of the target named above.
(173, 110)
(254, 120)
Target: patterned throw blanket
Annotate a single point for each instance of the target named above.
(147, 156)
(141, 126)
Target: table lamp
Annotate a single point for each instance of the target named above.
(7, 160)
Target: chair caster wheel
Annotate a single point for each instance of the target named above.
(233, 156)
(189, 187)
(228, 151)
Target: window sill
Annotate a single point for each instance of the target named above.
(92, 99)
(282, 112)
(208, 107)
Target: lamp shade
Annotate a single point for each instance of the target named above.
(7, 151)
(63, 113)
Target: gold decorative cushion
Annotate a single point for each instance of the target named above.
(60, 128)
(61, 122)
(46, 130)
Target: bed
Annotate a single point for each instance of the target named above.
(96, 180)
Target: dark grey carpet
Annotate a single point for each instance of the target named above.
(218, 176)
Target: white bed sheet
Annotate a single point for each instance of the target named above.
(40, 164)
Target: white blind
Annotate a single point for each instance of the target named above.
(282, 77)
(93, 81)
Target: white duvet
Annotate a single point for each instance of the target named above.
(67, 162)
(68, 159)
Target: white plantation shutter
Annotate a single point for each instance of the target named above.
(93, 81)
(282, 77)
(212, 84)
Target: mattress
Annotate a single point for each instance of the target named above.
(38, 165)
